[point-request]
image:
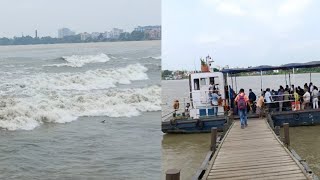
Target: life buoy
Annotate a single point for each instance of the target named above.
(199, 124)
(176, 105)
(296, 117)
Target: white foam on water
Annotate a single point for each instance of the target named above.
(157, 57)
(89, 80)
(28, 113)
(34, 99)
(9, 66)
(81, 60)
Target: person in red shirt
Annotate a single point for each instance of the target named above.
(242, 101)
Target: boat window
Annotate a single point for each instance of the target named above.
(211, 80)
(196, 84)
(203, 81)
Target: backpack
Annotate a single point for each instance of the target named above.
(241, 103)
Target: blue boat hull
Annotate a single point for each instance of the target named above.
(202, 125)
(296, 118)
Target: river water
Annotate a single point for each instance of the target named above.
(80, 111)
(187, 151)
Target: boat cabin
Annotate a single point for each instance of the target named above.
(199, 84)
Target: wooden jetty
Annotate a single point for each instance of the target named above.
(253, 153)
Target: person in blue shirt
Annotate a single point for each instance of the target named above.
(214, 102)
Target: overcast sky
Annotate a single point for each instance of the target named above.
(47, 16)
(239, 32)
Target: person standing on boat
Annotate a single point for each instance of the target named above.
(260, 104)
(311, 87)
(315, 94)
(306, 99)
(301, 93)
(252, 99)
(296, 96)
(242, 101)
(280, 98)
(267, 96)
(306, 87)
(292, 89)
(286, 97)
(211, 86)
(187, 110)
(214, 102)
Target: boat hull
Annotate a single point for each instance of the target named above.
(201, 125)
(297, 118)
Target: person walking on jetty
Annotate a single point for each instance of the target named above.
(242, 100)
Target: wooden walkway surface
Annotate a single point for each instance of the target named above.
(253, 153)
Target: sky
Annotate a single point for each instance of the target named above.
(47, 16)
(239, 33)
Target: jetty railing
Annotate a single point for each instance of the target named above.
(286, 142)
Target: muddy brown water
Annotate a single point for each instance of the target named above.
(187, 151)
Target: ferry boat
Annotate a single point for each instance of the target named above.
(199, 117)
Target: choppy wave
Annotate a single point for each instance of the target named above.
(61, 107)
(81, 60)
(152, 57)
(157, 57)
(89, 80)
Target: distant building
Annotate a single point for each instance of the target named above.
(65, 32)
(153, 32)
(84, 36)
(115, 33)
(95, 35)
(36, 34)
(139, 28)
(106, 35)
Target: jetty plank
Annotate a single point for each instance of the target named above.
(253, 153)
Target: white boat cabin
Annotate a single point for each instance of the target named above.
(199, 84)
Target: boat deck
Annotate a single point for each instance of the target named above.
(253, 153)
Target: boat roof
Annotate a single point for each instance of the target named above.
(268, 68)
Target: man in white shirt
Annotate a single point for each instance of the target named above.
(306, 99)
(268, 96)
(315, 95)
(311, 87)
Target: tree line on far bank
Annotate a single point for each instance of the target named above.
(26, 40)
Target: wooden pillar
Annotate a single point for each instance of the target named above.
(286, 134)
(225, 128)
(173, 174)
(277, 130)
(214, 133)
